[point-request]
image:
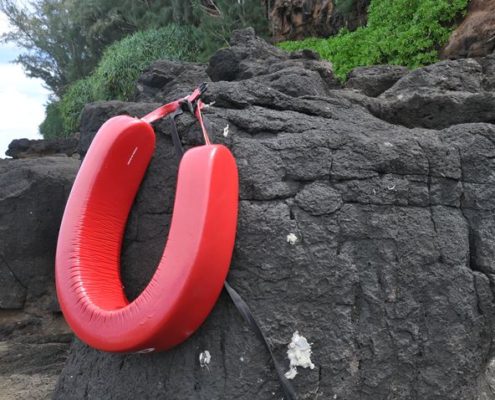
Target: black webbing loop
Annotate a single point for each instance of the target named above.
(175, 135)
(176, 139)
(239, 303)
(244, 310)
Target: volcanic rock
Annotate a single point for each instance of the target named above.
(26, 148)
(391, 279)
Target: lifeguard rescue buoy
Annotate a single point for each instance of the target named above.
(195, 262)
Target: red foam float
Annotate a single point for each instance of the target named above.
(194, 264)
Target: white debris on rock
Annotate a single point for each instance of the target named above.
(292, 239)
(299, 355)
(145, 351)
(208, 105)
(204, 359)
(226, 131)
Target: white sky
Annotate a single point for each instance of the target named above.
(22, 99)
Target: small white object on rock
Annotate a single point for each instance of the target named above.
(299, 354)
(145, 351)
(292, 239)
(204, 359)
(226, 131)
(208, 105)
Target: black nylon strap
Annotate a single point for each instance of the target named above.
(240, 304)
(244, 310)
(175, 136)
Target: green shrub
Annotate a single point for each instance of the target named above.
(401, 32)
(73, 101)
(123, 62)
(118, 70)
(53, 125)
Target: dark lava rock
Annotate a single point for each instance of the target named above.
(447, 76)
(95, 114)
(34, 338)
(440, 95)
(373, 81)
(33, 193)
(26, 148)
(391, 278)
(488, 64)
(166, 80)
(247, 56)
(297, 74)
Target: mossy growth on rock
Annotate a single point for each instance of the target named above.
(403, 32)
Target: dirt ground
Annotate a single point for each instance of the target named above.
(32, 354)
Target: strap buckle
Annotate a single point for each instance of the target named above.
(190, 103)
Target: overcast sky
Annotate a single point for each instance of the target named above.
(22, 99)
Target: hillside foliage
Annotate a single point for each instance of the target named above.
(401, 32)
(115, 76)
(89, 50)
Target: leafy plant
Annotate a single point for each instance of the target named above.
(124, 61)
(73, 101)
(53, 125)
(115, 76)
(401, 32)
(63, 40)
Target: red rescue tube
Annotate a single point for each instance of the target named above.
(194, 264)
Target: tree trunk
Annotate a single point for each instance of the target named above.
(297, 19)
(475, 36)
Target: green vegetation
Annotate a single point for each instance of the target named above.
(115, 76)
(53, 124)
(65, 39)
(88, 50)
(401, 32)
(123, 62)
(216, 30)
(73, 101)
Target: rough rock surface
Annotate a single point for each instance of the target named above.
(26, 148)
(475, 36)
(392, 276)
(249, 57)
(170, 79)
(439, 95)
(373, 81)
(32, 197)
(34, 338)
